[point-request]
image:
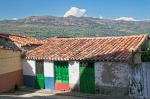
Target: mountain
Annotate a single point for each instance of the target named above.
(49, 26)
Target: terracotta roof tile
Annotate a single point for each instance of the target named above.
(97, 48)
(21, 39)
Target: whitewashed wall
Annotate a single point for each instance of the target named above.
(48, 68)
(113, 74)
(73, 72)
(29, 67)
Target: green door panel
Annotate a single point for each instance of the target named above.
(61, 72)
(67, 75)
(57, 73)
(39, 81)
(87, 81)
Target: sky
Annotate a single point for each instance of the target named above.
(105, 9)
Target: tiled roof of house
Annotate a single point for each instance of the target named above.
(44, 41)
(96, 48)
(20, 39)
(47, 39)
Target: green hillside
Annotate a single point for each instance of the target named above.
(43, 27)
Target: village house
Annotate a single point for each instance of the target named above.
(11, 49)
(89, 64)
(25, 43)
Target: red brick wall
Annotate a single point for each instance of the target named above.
(9, 80)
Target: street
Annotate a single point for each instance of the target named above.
(46, 94)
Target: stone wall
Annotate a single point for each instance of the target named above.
(112, 77)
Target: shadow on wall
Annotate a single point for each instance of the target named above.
(29, 76)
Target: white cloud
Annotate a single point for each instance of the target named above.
(15, 18)
(74, 11)
(126, 19)
(85, 15)
(101, 17)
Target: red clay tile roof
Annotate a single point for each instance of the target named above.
(44, 41)
(20, 39)
(97, 49)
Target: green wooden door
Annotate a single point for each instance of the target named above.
(61, 72)
(87, 80)
(39, 83)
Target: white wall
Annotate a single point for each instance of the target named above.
(73, 72)
(113, 74)
(29, 67)
(48, 68)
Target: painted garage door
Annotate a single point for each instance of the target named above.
(39, 83)
(61, 75)
(87, 77)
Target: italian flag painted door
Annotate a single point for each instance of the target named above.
(61, 75)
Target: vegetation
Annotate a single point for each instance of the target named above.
(146, 53)
(146, 56)
(43, 27)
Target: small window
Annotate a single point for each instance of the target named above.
(39, 67)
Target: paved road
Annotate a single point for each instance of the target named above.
(35, 95)
(46, 94)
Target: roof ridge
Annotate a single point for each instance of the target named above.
(97, 37)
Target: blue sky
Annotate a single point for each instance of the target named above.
(108, 9)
